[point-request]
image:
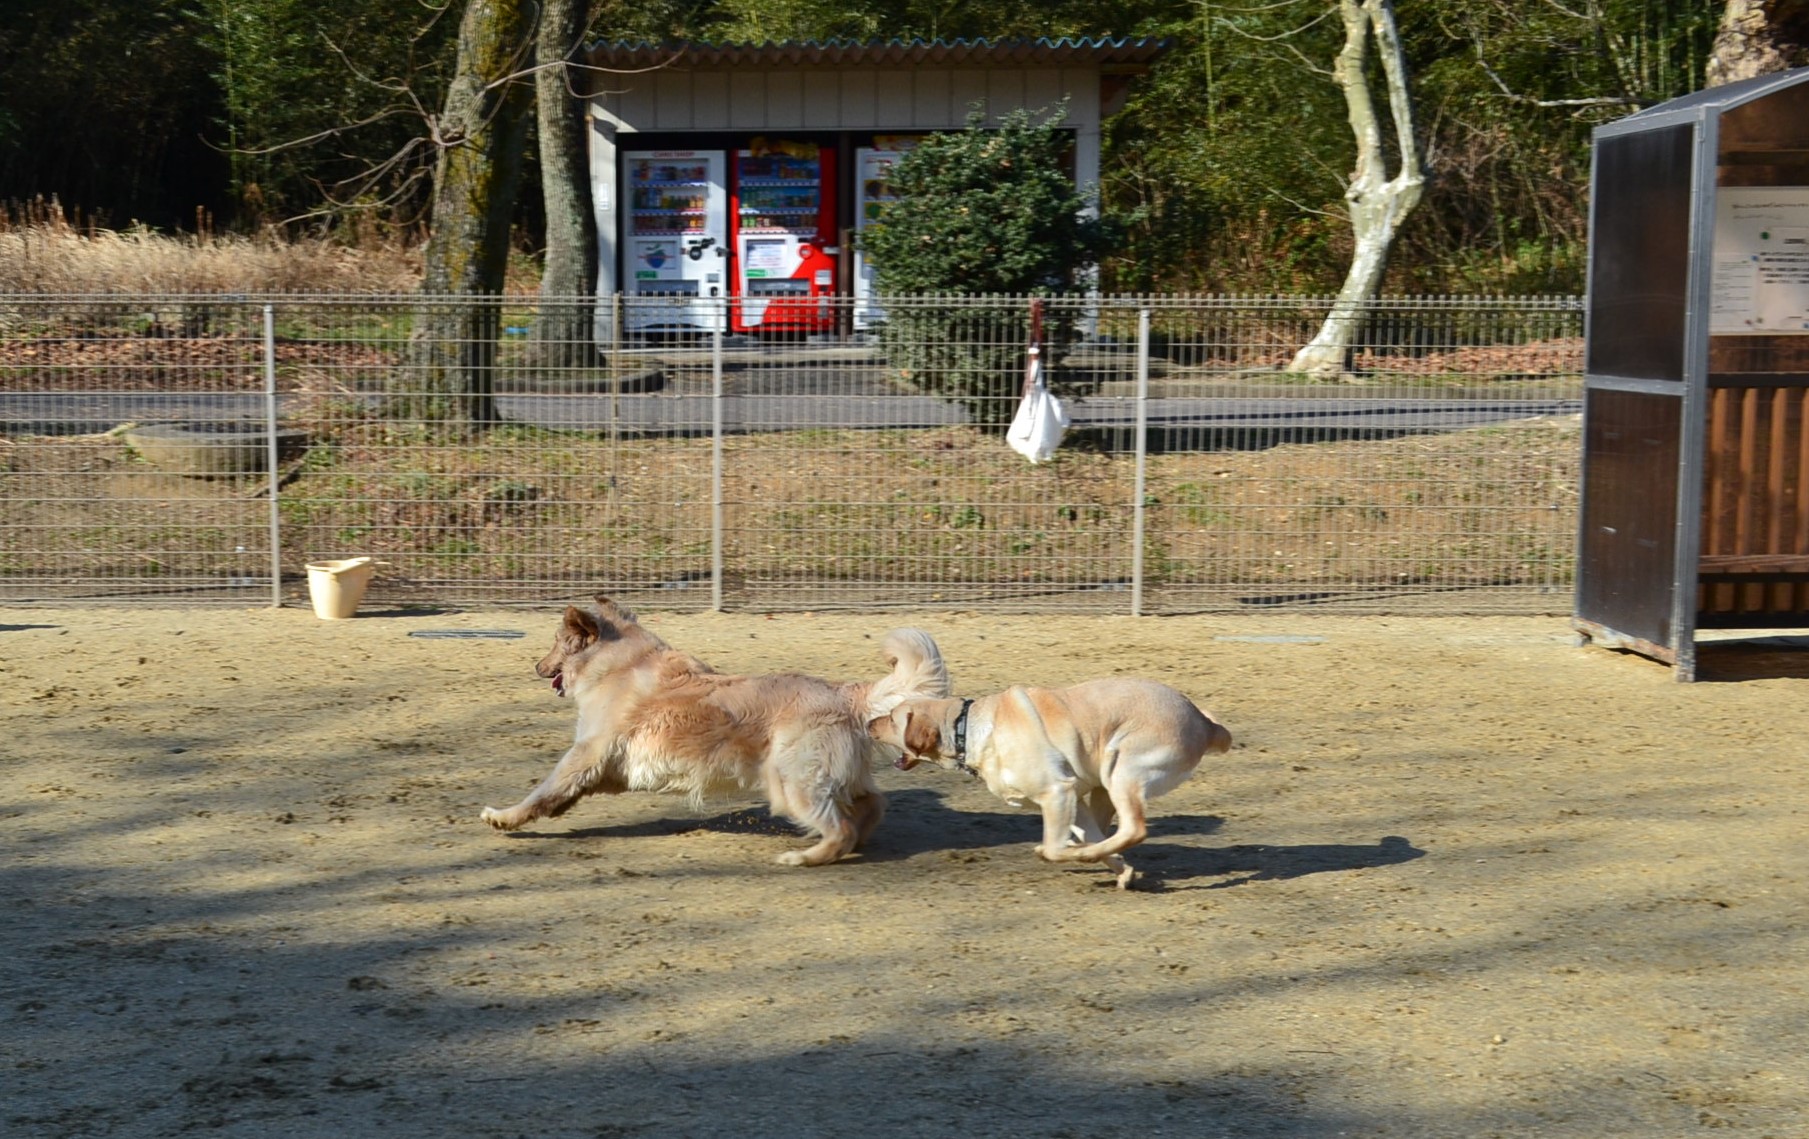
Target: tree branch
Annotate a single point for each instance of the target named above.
(1512, 96)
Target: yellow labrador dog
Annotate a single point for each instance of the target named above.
(1086, 754)
(651, 718)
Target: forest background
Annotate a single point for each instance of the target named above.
(312, 120)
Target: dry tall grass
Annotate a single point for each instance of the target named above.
(42, 251)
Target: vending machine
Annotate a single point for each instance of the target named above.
(785, 237)
(676, 240)
(872, 190)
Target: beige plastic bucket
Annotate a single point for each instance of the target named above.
(336, 588)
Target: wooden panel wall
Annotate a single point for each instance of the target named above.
(1755, 503)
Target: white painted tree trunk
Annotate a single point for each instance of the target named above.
(1378, 202)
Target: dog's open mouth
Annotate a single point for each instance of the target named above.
(559, 683)
(905, 762)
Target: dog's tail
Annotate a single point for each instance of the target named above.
(917, 671)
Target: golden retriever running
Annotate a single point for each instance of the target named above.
(651, 718)
(1084, 754)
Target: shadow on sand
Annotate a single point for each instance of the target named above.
(1753, 658)
(919, 821)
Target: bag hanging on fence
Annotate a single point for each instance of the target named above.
(1037, 429)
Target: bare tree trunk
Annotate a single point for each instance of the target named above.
(1378, 203)
(1758, 37)
(481, 134)
(562, 335)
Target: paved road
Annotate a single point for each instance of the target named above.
(689, 412)
(756, 412)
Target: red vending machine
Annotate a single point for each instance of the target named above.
(785, 237)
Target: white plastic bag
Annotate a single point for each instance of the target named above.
(1037, 429)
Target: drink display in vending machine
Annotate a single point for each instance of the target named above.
(872, 191)
(676, 240)
(785, 237)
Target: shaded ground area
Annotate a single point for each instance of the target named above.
(1458, 878)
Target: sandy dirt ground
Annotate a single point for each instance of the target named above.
(1458, 877)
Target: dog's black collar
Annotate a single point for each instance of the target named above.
(961, 738)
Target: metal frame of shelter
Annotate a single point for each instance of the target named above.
(1695, 492)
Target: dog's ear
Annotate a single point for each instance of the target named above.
(580, 626)
(921, 736)
(614, 616)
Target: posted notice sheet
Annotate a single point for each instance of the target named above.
(1761, 256)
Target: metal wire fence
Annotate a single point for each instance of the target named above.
(207, 449)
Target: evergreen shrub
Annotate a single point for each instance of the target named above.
(983, 220)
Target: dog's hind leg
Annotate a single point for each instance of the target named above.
(583, 769)
(1104, 850)
(1098, 807)
(1092, 818)
(1121, 796)
(820, 780)
(1127, 799)
(840, 836)
(869, 809)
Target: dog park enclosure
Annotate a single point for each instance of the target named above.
(742, 475)
(1695, 495)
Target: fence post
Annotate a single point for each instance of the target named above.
(716, 460)
(276, 535)
(1138, 518)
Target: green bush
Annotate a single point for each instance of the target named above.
(984, 219)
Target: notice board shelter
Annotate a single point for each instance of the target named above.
(1695, 491)
(745, 171)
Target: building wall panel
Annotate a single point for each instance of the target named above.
(859, 96)
(1044, 88)
(822, 100)
(929, 101)
(672, 101)
(710, 92)
(784, 100)
(1083, 109)
(966, 88)
(747, 100)
(895, 94)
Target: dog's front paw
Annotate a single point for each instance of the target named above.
(793, 858)
(498, 819)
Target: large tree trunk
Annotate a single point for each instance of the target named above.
(481, 134)
(1378, 203)
(562, 335)
(1758, 37)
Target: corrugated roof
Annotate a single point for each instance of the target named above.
(1102, 50)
